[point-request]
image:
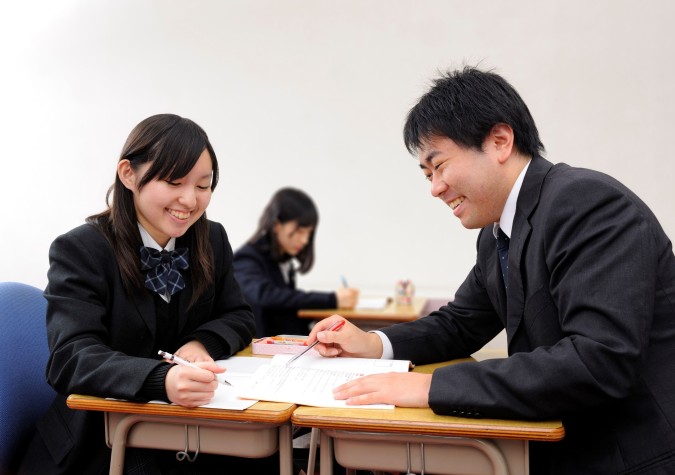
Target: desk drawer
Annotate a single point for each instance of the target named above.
(243, 439)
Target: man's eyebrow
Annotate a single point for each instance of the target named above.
(426, 161)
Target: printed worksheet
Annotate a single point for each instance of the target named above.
(310, 379)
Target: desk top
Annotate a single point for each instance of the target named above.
(390, 313)
(262, 411)
(405, 420)
(423, 421)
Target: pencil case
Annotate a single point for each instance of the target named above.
(280, 344)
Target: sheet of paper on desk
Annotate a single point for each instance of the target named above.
(240, 370)
(311, 378)
(372, 303)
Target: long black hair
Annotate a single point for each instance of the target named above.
(287, 205)
(172, 145)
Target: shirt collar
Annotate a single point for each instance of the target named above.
(148, 241)
(509, 212)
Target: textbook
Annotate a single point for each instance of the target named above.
(310, 379)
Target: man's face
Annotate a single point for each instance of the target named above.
(470, 181)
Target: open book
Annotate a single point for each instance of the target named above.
(310, 379)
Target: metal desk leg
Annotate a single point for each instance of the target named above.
(285, 450)
(119, 445)
(326, 454)
(313, 441)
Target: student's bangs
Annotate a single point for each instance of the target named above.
(176, 153)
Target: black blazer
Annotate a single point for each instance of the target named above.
(590, 322)
(275, 302)
(102, 341)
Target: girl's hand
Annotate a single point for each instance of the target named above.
(347, 297)
(192, 387)
(194, 352)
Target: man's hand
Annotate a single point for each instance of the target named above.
(399, 389)
(349, 341)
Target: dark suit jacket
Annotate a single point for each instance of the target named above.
(275, 302)
(102, 342)
(590, 322)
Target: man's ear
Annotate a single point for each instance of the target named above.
(126, 174)
(500, 140)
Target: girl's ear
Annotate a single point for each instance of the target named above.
(126, 174)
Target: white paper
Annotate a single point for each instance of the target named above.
(240, 370)
(310, 379)
(372, 303)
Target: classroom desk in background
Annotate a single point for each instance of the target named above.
(369, 319)
(416, 440)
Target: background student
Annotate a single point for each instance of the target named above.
(148, 273)
(265, 266)
(575, 267)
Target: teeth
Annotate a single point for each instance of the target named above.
(179, 214)
(456, 202)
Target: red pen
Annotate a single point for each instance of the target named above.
(335, 327)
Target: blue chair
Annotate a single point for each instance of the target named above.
(24, 392)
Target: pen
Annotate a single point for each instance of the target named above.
(335, 327)
(178, 360)
(344, 281)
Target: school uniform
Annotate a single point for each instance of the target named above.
(104, 342)
(271, 291)
(589, 313)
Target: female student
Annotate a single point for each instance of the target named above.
(149, 273)
(265, 266)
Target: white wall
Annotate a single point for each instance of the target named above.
(313, 93)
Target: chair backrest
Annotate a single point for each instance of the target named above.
(24, 392)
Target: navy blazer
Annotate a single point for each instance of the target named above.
(590, 322)
(101, 340)
(275, 302)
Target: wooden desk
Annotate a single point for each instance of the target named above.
(368, 319)
(417, 440)
(255, 432)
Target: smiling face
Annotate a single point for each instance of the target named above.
(167, 209)
(474, 183)
(292, 238)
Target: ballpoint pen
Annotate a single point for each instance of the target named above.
(335, 327)
(171, 358)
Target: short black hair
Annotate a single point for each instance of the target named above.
(464, 105)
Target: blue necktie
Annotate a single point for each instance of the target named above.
(164, 269)
(503, 253)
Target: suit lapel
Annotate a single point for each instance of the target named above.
(528, 198)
